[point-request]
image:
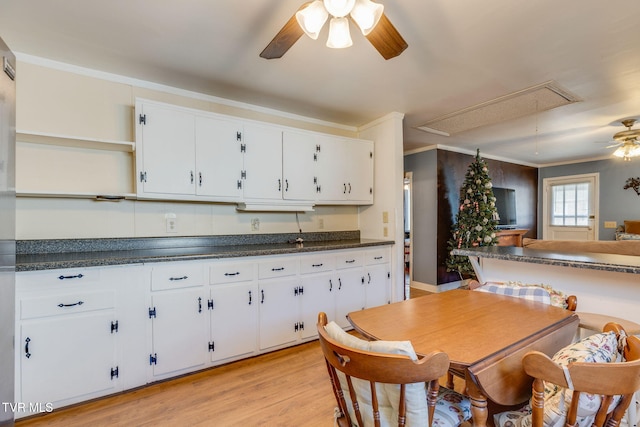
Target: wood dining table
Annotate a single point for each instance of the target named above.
(484, 334)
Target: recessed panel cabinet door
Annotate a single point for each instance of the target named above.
(64, 358)
(167, 150)
(377, 283)
(318, 295)
(351, 294)
(263, 162)
(179, 330)
(219, 158)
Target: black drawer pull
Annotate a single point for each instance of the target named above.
(350, 261)
(77, 276)
(377, 257)
(316, 265)
(232, 274)
(277, 269)
(26, 347)
(178, 278)
(70, 305)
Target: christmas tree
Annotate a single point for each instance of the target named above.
(476, 220)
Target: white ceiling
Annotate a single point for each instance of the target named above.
(461, 53)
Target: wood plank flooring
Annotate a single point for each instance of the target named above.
(289, 387)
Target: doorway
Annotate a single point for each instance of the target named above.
(570, 207)
(408, 241)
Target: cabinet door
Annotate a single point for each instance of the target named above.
(234, 320)
(279, 311)
(67, 357)
(299, 157)
(179, 330)
(377, 280)
(219, 158)
(263, 162)
(345, 170)
(331, 169)
(360, 171)
(318, 295)
(166, 145)
(350, 295)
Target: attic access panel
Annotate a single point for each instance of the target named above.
(535, 99)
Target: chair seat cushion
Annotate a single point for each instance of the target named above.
(597, 348)
(531, 293)
(451, 409)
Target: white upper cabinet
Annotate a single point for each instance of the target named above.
(262, 171)
(165, 159)
(186, 154)
(299, 160)
(219, 157)
(345, 170)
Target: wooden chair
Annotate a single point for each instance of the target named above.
(606, 379)
(347, 365)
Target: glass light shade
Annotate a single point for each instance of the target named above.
(312, 18)
(627, 151)
(339, 36)
(339, 8)
(366, 14)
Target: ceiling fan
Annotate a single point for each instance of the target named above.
(627, 141)
(311, 16)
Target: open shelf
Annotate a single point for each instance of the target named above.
(74, 141)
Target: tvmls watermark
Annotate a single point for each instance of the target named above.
(30, 407)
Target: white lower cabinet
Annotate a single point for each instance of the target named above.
(90, 332)
(72, 329)
(234, 310)
(179, 319)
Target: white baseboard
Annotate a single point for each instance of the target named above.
(435, 288)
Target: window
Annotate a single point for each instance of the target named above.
(570, 204)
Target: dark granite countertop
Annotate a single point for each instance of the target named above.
(593, 261)
(32, 255)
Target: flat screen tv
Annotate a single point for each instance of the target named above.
(506, 207)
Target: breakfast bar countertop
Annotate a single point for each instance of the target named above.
(593, 261)
(33, 255)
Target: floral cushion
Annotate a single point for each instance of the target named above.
(627, 236)
(451, 408)
(597, 348)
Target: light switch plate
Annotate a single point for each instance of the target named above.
(610, 224)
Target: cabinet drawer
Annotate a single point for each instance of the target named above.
(317, 263)
(176, 276)
(67, 303)
(47, 279)
(231, 273)
(349, 260)
(277, 268)
(378, 256)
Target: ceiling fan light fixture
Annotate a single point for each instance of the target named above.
(627, 151)
(312, 18)
(339, 8)
(366, 14)
(339, 36)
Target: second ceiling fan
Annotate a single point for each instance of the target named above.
(311, 17)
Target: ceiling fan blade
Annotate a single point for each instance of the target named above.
(386, 39)
(286, 37)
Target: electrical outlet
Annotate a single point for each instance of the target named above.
(385, 232)
(320, 223)
(610, 224)
(385, 217)
(171, 223)
(255, 224)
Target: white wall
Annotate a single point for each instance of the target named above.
(388, 185)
